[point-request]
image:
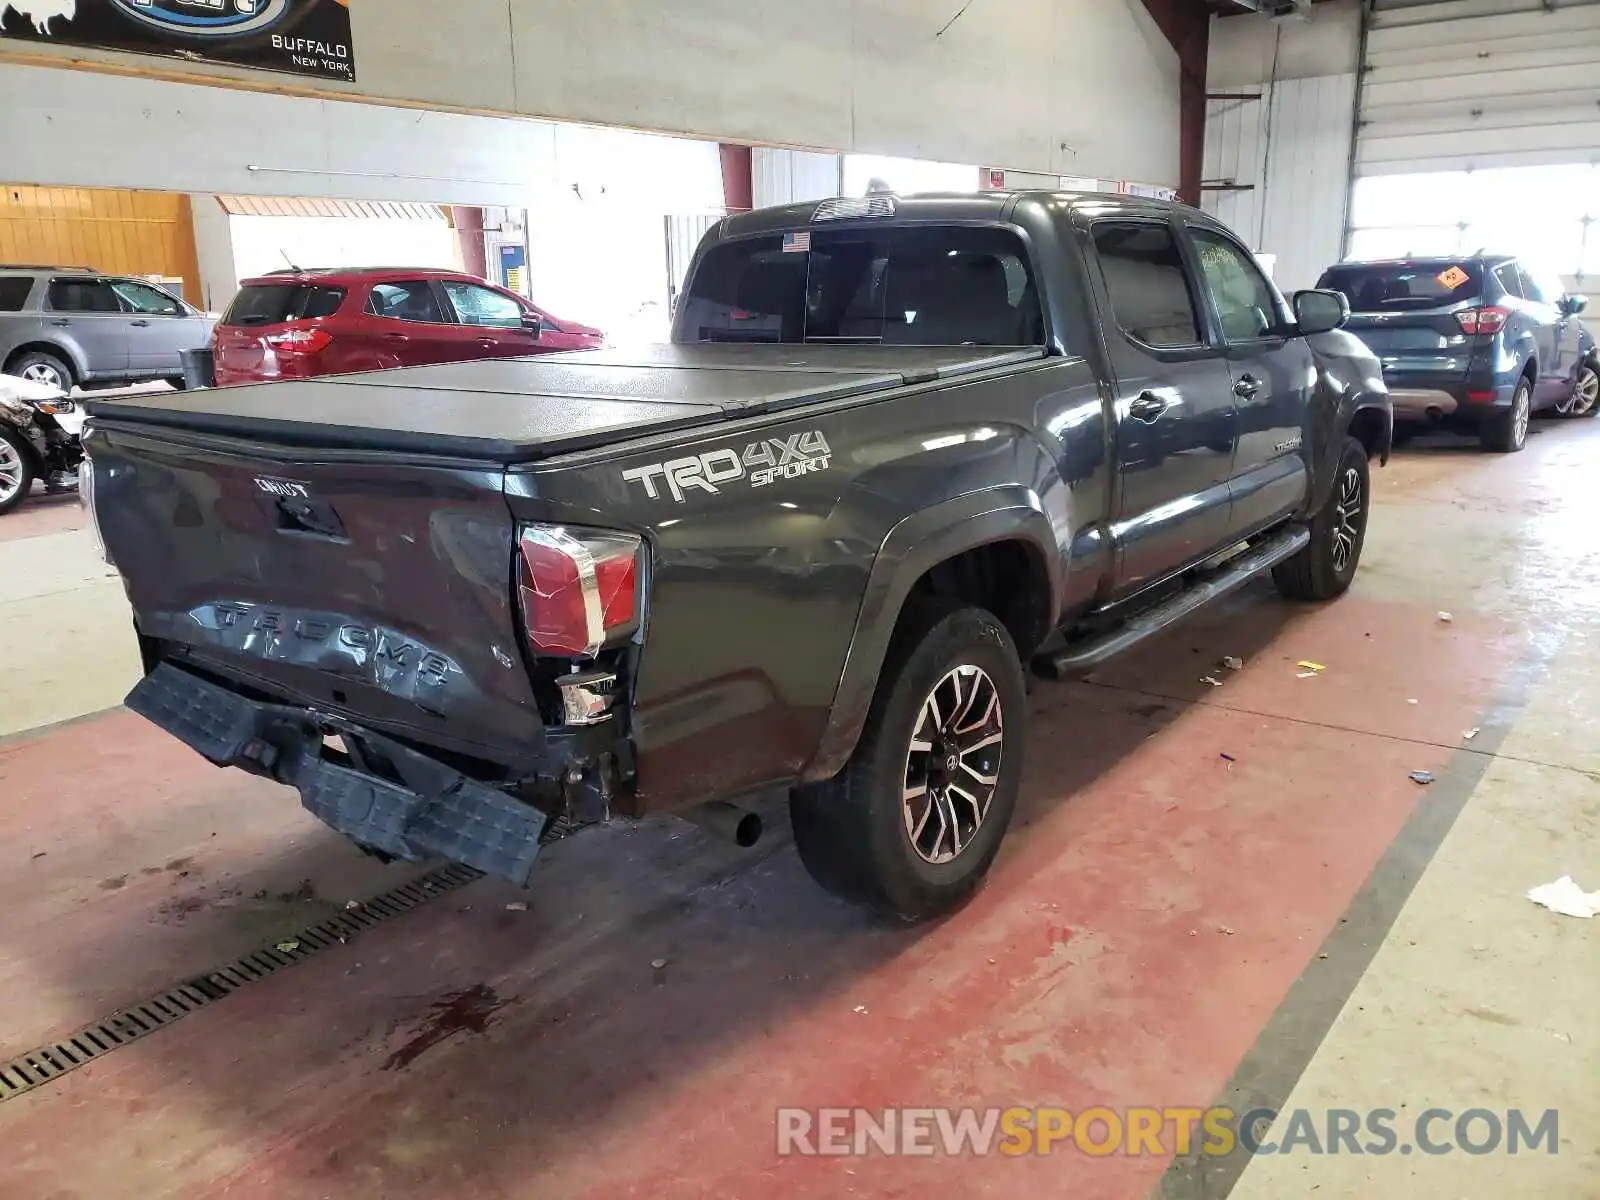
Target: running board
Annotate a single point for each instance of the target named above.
(1237, 573)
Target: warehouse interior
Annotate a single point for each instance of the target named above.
(1261, 926)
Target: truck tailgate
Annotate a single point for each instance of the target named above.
(377, 590)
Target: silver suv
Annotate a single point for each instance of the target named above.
(68, 326)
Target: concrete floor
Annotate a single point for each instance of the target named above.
(1301, 927)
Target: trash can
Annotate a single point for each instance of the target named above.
(199, 368)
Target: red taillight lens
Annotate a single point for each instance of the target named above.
(1483, 320)
(300, 341)
(579, 587)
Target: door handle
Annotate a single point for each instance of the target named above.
(396, 337)
(1247, 387)
(60, 323)
(140, 324)
(1147, 408)
(487, 341)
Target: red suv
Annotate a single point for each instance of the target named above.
(298, 324)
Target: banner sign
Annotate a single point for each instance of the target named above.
(302, 37)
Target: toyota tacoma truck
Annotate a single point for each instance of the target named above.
(900, 451)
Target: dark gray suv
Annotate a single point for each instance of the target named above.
(68, 326)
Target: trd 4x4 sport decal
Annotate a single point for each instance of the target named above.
(762, 463)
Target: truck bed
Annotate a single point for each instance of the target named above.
(524, 409)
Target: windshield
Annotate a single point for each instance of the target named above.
(276, 303)
(1397, 287)
(903, 286)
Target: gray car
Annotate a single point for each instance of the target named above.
(68, 326)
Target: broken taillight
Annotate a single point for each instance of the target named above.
(579, 587)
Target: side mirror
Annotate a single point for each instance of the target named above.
(533, 325)
(1573, 305)
(1320, 311)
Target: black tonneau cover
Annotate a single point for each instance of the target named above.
(516, 410)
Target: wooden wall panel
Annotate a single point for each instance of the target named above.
(134, 233)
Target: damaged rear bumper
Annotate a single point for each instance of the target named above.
(385, 796)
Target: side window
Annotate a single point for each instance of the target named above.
(408, 300)
(1510, 280)
(1150, 295)
(82, 296)
(14, 291)
(480, 306)
(1245, 300)
(142, 298)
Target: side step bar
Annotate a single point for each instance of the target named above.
(1238, 572)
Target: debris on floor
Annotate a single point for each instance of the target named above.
(1564, 896)
(1413, 701)
(517, 906)
(1314, 668)
(658, 964)
(861, 1010)
(1229, 759)
(1233, 664)
(1445, 618)
(1468, 734)
(1214, 682)
(288, 947)
(1422, 777)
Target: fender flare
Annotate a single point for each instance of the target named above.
(914, 546)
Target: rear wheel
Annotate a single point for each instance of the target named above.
(16, 470)
(1325, 567)
(1507, 432)
(39, 367)
(1585, 398)
(911, 825)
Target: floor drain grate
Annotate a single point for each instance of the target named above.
(38, 1067)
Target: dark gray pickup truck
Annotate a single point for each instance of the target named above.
(901, 450)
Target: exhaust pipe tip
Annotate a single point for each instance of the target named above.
(728, 821)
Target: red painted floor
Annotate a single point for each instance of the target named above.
(470, 1050)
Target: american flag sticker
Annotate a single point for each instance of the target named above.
(797, 243)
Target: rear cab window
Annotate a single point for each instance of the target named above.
(280, 303)
(928, 285)
(1404, 287)
(14, 292)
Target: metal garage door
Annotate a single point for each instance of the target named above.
(1459, 85)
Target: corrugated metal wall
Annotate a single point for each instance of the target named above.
(1466, 84)
(1289, 154)
(790, 176)
(132, 233)
(683, 237)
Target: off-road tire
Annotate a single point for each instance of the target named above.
(1507, 432)
(852, 831)
(1325, 567)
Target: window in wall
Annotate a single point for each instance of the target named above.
(1149, 290)
(1548, 216)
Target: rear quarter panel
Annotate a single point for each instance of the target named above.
(757, 589)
